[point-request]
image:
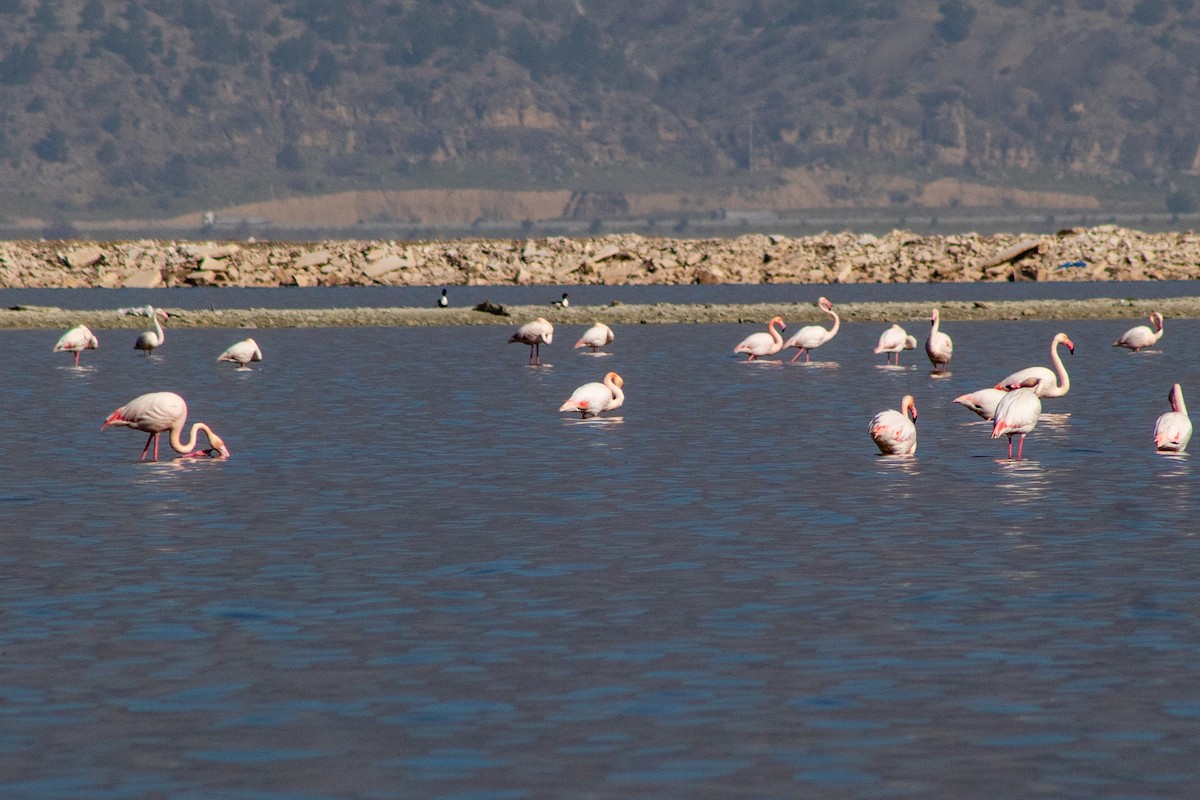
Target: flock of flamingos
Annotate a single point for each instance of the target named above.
(1013, 405)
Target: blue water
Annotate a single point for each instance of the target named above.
(415, 578)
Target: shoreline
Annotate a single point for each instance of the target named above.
(44, 317)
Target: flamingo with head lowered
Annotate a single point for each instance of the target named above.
(1049, 383)
(893, 340)
(592, 398)
(242, 353)
(1173, 430)
(757, 345)
(1141, 336)
(938, 346)
(1018, 412)
(595, 337)
(76, 341)
(811, 337)
(159, 412)
(895, 432)
(534, 334)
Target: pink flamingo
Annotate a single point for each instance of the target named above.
(148, 340)
(757, 345)
(982, 402)
(895, 432)
(592, 398)
(893, 340)
(811, 337)
(1141, 336)
(1173, 430)
(76, 341)
(534, 334)
(938, 346)
(1049, 384)
(242, 353)
(1018, 413)
(595, 337)
(158, 412)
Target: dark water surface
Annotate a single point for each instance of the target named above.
(415, 578)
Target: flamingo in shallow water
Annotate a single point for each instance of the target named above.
(982, 402)
(77, 340)
(757, 345)
(596, 337)
(813, 336)
(1141, 336)
(893, 340)
(592, 398)
(1018, 413)
(242, 353)
(1173, 430)
(534, 334)
(148, 340)
(895, 432)
(1049, 383)
(938, 346)
(159, 412)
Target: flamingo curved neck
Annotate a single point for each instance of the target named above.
(775, 335)
(1064, 380)
(1177, 403)
(186, 447)
(836, 323)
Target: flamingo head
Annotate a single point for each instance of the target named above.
(933, 317)
(216, 448)
(161, 313)
(909, 406)
(779, 321)
(1028, 383)
(1062, 338)
(614, 379)
(113, 418)
(1157, 319)
(824, 304)
(1175, 397)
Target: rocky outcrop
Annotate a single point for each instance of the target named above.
(1100, 253)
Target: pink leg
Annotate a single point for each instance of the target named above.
(77, 358)
(1020, 446)
(1010, 448)
(146, 449)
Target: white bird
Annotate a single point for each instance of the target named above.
(757, 345)
(159, 412)
(1173, 430)
(895, 432)
(982, 402)
(811, 337)
(137, 311)
(444, 300)
(534, 334)
(893, 340)
(938, 346)
(242, 353)
(596, 337)
(75, 341)
(1049, 384)
(592, 398)
(1141, 336)
(148, 340)
(1018, 413)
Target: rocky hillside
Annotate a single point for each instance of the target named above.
(131, 107)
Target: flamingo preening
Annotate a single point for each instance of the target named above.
(811, 337)
(893, 340)
(1141, 336)
(534, 334)
(1050, 384)
(1173, 430)
(242, 353)
(1018, 412)
(982, 402)
(159, 412)
(77, 340)
(596, 337)
(895, 432)
(757, 345)
(592, 398)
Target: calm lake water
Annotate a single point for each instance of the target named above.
(415, 578)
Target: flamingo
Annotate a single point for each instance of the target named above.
(893, 340)
(596, 337)
(444, 300)
(812, 336)
(1049, 384)
(938, 346)
(895, 432)
(982, 402)
(1141, 336)
(1018, 412)
(1173, 430)
(158, 412)
(242, 353)
(534, 334)
(763, 344)
(148, 340)
(592, 398)
(75, 341)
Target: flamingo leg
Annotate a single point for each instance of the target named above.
(77, 358)
(798, 352)
(1010, 448)
(1020, 446)
(145, 449)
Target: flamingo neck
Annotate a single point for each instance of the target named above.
(1177, 403)
(162, 336)
(776, 335)
(186, 447)
(618, 396)
(1064, 380)
(836, 323)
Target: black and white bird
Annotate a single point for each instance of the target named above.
(444, 300)
(564, 302)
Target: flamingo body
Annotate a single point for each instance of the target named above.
(160, 412)
(596, 337)
(1018, 413)
(1173, 430)
(534, 334)
(1049, 384)
(982, 402)
(757, 345)
(242, 353)
(593, 398)
(938, 346)
(895, 432)
(1142, 336)
(77, 340)
(893, 340)
(811, 337)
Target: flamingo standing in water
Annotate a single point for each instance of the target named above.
(895, 432)
(757, 345)
(1141, 336)
(982, 402)
(592, 398)
(534, 334)
(596, 337)
(75, 341)
(148, 340)
(938, 346)
(1018, 413)
(242, 353)
(1049, 383)
(159, 412)
(893, 340)
(1173, 430)
(812, 336)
